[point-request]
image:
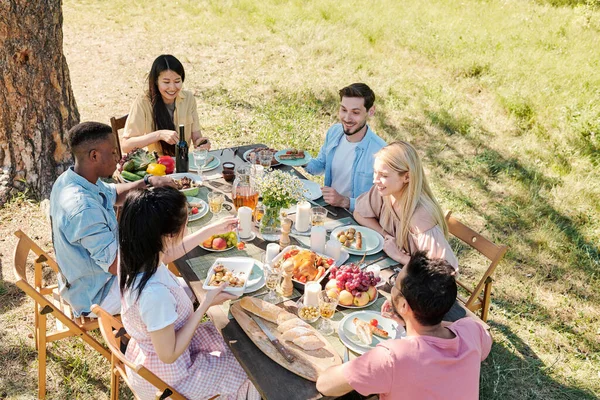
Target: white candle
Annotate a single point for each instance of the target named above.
(311, 294)
(376, 269)
(333, 248)
(303, 216)
(272, 251)
(317, 239)
(245, 217)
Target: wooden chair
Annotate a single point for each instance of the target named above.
(493, 252)
(112, 331)
(48, 301)
(118, 124)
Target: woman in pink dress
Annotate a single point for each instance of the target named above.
(167, 335)
(401, 207)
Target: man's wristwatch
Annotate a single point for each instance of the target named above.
(147, 180)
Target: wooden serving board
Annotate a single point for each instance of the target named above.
(308, 363)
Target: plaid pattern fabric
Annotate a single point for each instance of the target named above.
(206, 368)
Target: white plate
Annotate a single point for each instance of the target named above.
(255, 284)
(347, 330)
(365, 306)
(372, 241)
(202, 208)
(239, 266)
(216, 251)
(293, 163)
(208, 167)
(313, 189)
(274, 163)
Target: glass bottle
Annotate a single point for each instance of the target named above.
(181, 152)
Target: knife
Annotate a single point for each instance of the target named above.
(314, 203)
(365, 265)
(284, 352)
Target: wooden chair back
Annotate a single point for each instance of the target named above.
(117, 124)
(112, 331)
(48, 301)
(491, 251)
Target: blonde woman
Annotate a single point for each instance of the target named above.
(401, 207)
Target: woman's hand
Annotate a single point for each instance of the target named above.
(168, 136)
(223, 225)
(391, 249)
(202, 143)
(217, 296)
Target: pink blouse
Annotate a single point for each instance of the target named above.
(432, 240)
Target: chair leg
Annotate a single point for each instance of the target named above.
(114, 381)
(36, 324)
(487, 294)
(41, 345)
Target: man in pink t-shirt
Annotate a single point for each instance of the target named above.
(436, 360)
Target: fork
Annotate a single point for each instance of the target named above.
(346, 355)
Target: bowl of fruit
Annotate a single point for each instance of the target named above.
(355, 288)
(220, 242)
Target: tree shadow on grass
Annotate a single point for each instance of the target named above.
(511, 367)
(10, 296)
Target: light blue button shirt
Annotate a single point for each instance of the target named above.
(362, 178)
(84, 233)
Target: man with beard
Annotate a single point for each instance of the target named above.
(346, 157)
(436, 360)
(84, 224)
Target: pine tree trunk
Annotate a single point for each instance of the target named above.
(37, 106)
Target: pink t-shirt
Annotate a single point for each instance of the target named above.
(424, 367)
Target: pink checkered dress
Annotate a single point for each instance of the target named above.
(206, 368)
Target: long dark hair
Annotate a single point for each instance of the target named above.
(160, 114)
(148, 216)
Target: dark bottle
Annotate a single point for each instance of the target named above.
(181, 152)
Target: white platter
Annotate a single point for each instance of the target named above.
(372, 241)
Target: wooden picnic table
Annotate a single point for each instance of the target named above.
(272, 381)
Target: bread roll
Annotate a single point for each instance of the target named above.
(261, 308)
(291, 323)
(309, 342)
(296, 332)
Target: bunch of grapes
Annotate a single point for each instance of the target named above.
(351, 278)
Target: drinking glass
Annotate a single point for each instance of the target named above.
(265, 157)
(200, 156)
(259, 211)
(317, 216)
(215, 203)
(272, 279)
(327, 305)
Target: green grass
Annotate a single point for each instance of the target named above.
(501, 98)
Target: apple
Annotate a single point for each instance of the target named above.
(219, 244)
(361, 299)
(372, 292)
(346, 298)
(331, 284)
(333, 292)
(207, 243)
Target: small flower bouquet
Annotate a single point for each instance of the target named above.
(280, 189)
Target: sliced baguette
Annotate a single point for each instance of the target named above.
(292, 323)
(263, 309)
(297, 332)
(309, 342)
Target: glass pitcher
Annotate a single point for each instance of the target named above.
(244, 192)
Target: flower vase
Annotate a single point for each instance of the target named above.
(270, 224)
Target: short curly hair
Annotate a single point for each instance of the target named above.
(87, 132)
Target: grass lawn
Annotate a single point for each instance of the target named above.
(501, 98)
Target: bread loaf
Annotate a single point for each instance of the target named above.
(309, 342)
(296, 332)
(263, 309)
(291, 323)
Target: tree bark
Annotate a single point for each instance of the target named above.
(37, 106)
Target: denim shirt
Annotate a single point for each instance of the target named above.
(84, 233)
(362, 179)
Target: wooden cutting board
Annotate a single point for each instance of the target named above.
(308, 363)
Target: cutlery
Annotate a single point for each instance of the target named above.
(284, 352)
(314, 203)
(339, 226)
(363, 266)
(346, 355)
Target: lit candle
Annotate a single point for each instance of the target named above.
(317, 239)
(311, 294)
(333, 248)
(303, 216)
(272, 251)
(245, 217)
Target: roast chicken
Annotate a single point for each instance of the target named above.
(305, 265)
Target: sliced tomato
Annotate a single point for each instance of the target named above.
(241, 245)
(302, 279)
(374, 322)
(194, 210)
(330, 261)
